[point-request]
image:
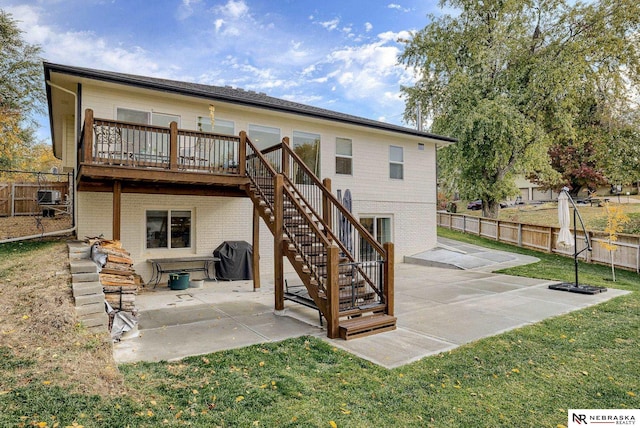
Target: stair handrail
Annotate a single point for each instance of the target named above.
(253, 152)
(316, 231)
(334, 201)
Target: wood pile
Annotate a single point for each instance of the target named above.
(117, 276)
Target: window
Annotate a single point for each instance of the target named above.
(396, 162)
(380, 228)
(264, 136)
(169, 229)
(344, 156)
(220, 126)
(145, 117)
(307, 146)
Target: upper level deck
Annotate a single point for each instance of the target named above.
(162, 158)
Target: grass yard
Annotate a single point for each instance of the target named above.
(528, 377)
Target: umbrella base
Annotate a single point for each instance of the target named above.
(573, 288)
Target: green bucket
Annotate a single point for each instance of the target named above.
(179, 281)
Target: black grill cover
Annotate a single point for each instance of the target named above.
(235, 260)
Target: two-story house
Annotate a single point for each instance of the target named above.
(173, 169)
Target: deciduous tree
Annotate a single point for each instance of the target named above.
(21, 91)
(507, 78)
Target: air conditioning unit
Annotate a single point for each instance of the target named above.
(48, 197)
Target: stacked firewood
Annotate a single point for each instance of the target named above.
(117, 275)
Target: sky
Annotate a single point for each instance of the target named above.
(334, 54)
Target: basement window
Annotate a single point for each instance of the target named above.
(168, 229)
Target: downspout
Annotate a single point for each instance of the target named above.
(75, 139)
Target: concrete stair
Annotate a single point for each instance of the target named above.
(87, 289)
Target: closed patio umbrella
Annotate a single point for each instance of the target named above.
(345, 227)
(565, 239)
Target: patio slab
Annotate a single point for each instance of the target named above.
(437, 309)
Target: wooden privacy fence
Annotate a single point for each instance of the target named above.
(21, 198)
(544, 238)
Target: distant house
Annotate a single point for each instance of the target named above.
(173, 169)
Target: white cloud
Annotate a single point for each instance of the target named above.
(368, 26)
(233, 9)
(185, 8)
(331, 25)
(398, 7)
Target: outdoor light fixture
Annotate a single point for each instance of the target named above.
(564, 239)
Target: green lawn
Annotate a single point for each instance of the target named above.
(528, 377)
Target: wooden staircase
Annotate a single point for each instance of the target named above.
(354, 296)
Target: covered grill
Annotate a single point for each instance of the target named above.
(235, 260)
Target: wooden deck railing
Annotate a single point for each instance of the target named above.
(117, 143)
(544, 238)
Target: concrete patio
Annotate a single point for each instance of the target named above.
(438, 308)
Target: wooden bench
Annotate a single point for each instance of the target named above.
(598, 202)
(177, 265)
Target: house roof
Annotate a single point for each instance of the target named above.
(230, 95)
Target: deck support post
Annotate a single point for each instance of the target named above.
(117, 205)
(255, 245)
(278, 242)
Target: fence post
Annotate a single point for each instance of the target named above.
(587, 256)
(498, 230)
(519, 234)
(551, 239)
(464, 224)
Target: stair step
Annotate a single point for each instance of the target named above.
(366, 325)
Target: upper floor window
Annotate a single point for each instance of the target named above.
(220, 126)
(396, 162)
(307, 146)
(344, 156)
(264, 136)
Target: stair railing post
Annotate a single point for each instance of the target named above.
(242, 154)
(278, 241)
(389, 277)
(88, 136)
(285, 158)
(326, 205)
(173, 145)
(333, 293)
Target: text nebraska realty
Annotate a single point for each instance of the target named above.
(604, 419)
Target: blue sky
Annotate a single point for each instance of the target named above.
(335, 54)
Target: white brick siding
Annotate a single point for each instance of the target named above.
(411, 202)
